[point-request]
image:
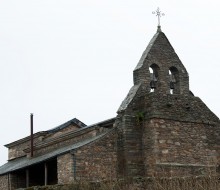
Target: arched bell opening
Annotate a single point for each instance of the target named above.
(174, 80)
(154, 77)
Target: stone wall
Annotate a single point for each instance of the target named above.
(51, 142)
(65, 140)
(94, 161)
(23, 148)
(174, 107)
(130, 147)
(167, 147)
(60, 132)
(97, 161)
(161, 57)
(17, 151)
(4, 183)
(180, 148)
(65, 169)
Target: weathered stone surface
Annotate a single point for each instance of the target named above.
(97, 161)
(65, 169)
(4, 182)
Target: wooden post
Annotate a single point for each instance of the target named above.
(45, 174)
(27, 178)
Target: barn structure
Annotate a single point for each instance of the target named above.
(161, 129)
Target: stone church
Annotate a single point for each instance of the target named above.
(161, 129)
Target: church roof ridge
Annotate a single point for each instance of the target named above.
(147, 50)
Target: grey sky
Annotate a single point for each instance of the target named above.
(62, 59)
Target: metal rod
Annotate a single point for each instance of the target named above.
(32, 137)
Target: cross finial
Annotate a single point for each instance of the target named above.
(158, 14)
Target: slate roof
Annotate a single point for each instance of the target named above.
(64, 125)
(129, 97)
(25, 162)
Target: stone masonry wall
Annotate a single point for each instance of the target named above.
(65, 142)
(17, 150)
(161, 54)
(4, 185)
(130, 147)
(61, 132)
(180, 148)
(97, 161)
(65, 169)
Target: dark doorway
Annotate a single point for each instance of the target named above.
(37, 173)
(52, 172)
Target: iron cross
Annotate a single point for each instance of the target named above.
(158, 14)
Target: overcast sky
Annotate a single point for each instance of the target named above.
(62, 59)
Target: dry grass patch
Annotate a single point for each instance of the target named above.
(187, 183)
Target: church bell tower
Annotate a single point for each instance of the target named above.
(163, 129)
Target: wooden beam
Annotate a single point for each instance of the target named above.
(27, 178)
(45, 174)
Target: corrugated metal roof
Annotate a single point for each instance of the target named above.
(26, 162)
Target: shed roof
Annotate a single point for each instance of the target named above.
(25, 162)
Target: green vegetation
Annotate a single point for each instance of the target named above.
(140, 117)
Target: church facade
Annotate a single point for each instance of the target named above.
(161, 130)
